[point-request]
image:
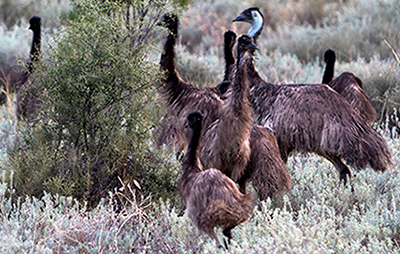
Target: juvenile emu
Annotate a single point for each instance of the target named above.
(181, 97)
(226, 141)
(350, 87)
(27, 96)
(315, 118)
(212, 199)
(265, 169)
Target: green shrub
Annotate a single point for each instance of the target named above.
(98, 109)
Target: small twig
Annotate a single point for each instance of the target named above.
(396, 56)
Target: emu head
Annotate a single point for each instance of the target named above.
(35, 24)
(245, 43)
(222, 88)
(329, 55)
(194, 119)
(169, 21)
(230, 37)
(253, 16)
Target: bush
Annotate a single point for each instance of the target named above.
(94, 128)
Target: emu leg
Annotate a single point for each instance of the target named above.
(213, 236)
(227, 232)
(344, 171)
(242, 185)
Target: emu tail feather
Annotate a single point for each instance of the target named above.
(371, 150)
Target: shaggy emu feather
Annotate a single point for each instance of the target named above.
(350, 87)
(315, 118)
(265, 169)
(347, 84)
(27, 96)
(226, 141)
(212, 199)
(181, 97)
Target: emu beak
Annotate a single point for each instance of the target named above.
(254, 47)
(241, 17)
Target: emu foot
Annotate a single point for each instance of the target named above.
(227, 232)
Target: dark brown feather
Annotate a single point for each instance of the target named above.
(181, 98)
(315, 118)
(212, 199)
(226, 142)
(351, 88)
(268, 173)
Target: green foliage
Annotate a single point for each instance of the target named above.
(97, 113)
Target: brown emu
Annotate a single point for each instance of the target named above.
(347, 84)
(27, 96)
(315, 118)
(265, 169)
(226, 141)
(350, 87)
(212, 199)
(181, 97)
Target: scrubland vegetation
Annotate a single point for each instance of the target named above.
(84, 175)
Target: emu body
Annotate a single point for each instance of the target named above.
(226, 141)
(212, 199)
(315, 118)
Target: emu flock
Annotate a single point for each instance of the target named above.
(244, 129)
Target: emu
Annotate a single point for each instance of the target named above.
(181, 97)
(27, 96)
(347, 84)
(226, 141)
(315, 118)
(212, 199)
(265, 169)
(350, 87)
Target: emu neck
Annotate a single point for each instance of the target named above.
(240, 86)
(191, 160)
(252, 74)
(191, 164)
(35, 49)
(229, 61)
(256, 27)
(329, 71)
(168, 56)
